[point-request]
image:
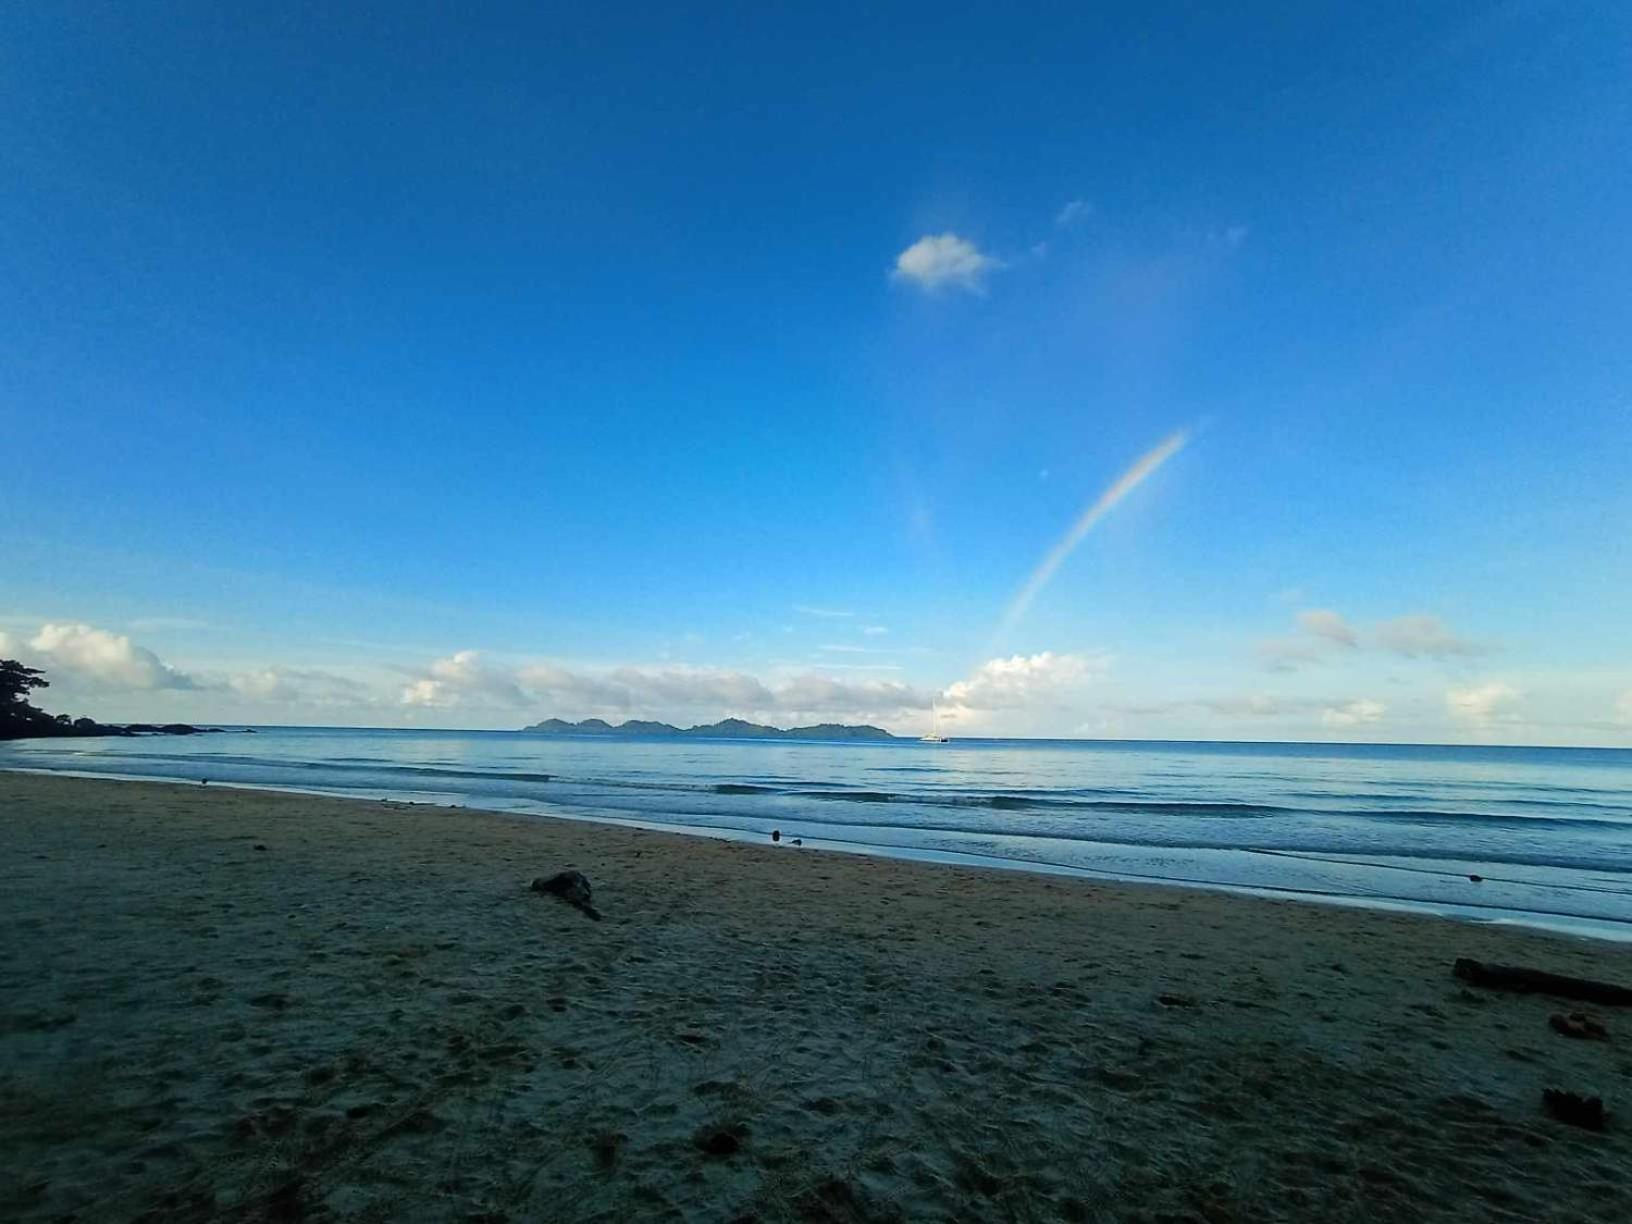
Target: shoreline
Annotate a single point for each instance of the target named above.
(238, 1004)
(1555, 922)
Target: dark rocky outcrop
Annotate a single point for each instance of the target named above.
(86, 727)
(20, 719)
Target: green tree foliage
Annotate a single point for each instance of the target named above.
(16, 681)
(17, 715)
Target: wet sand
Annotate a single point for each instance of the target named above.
(226, 1004)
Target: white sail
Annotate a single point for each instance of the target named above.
(934, 736)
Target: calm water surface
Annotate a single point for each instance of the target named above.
(1549, 829)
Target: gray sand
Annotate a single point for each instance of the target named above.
(372, 1018)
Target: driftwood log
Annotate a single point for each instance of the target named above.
(1536, 981)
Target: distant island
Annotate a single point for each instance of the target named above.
(729, 728)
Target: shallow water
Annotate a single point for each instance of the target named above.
(1549, 829)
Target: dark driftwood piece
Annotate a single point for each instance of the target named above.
(1586, 1112)
(1536, 981)
(572, 887)
(1577, 1024)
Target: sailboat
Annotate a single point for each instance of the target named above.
(934, 736)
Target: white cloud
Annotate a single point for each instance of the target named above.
(831, 613)
(679, 694)
(818, 694)
(1359, 712)
(875, 630)
(1322, 633)
(1623, 708)
(1074, 211)
(1422, 636)
(692, 687)
(299, 686)
(1482, 703)
(709, 693)
(1324, 623)
(428, 693)
(5, 644)
(462, 677)
(571, 690)
(98, 658)
(938, 261)
(1023, 681)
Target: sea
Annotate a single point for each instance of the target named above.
(1548, 831)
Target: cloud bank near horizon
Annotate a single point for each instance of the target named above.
(106, 674)
(1031, 683)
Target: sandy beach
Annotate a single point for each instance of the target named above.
(222, 1004)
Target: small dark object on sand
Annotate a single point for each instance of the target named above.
(1585, 1112)
(1535, 981)
(571, 887)
(1477, 879)
(798, 841)
(1577, 1024)
(776, 834)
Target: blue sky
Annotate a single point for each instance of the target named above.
(412, 366)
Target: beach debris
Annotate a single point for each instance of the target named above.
(572, 887)
(1577, 1024)
(1536, 981)
(835, 1198)
(798, 841)
(720, 1141)
(1585, 1112)
(1477, 879)
(776, 834)
(606, 1148)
